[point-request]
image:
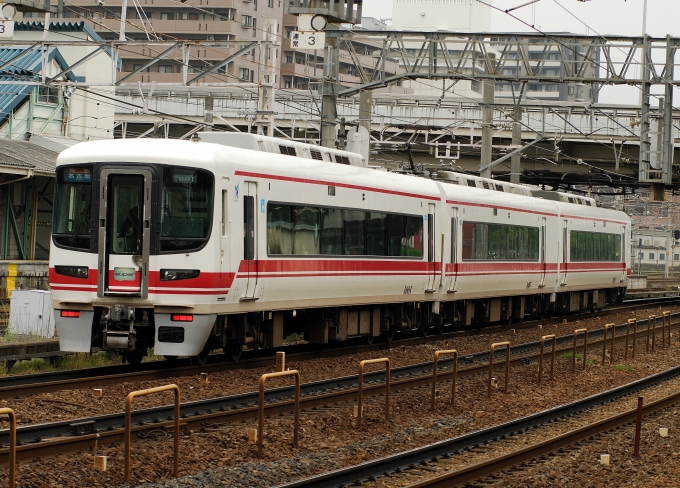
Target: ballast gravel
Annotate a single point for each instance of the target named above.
(222, 455)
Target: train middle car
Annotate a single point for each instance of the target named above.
(190, 246)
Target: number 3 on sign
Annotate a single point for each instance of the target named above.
(6, 28)
(308, 40)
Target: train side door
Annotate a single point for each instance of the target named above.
(454, 249)
(565, 251)
(431, 248)
(544, 263)
(250, 238)
(624, 257)
(123, 232)
(225, 245)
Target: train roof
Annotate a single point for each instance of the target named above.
(277, 145)
(209, 155)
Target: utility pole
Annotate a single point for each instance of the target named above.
(515, 164)
(329, 91)
(267, 84)
(489, 87)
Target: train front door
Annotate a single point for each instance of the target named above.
(123, 232)
(250, 208)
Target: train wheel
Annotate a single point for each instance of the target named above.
(390, 333)
(133, 357)
(424, 329)
(369, 339)
(170, 358)
(233, 351)
(439, 328)
(201, 359)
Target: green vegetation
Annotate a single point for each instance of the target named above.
(293, 338)
(579, 357)
(72, 361)
(622, 367)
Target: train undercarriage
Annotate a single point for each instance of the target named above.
(133, 331)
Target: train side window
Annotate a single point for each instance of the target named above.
(594, 246)
(375, 229)
(414, 237)
(355, 232)
(482, 241)
(279, 229)
(306, 230)
(331, 231)
(396, 225)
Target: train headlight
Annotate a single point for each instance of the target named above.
(179, 274)
(75, 271)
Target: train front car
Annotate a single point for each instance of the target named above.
(132, 265)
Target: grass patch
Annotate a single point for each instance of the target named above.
(579, 357)
(622, 367)
(294, 338)
(73, 361)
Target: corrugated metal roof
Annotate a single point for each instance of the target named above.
(59, 27)
(28, 156)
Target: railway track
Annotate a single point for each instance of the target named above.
(56, 437)
(31, 384)
(428, 461)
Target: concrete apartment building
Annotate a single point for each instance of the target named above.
(205, 20)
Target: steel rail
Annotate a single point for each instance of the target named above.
(354, 475)
(491, 466)
(31, 384)
(51, 438)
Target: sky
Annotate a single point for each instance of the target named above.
(622, 17)
(593, 17)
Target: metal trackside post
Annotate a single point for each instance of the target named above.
(507, 365)
(260, 431)
(635, 326)
(128, 425)
(604, 343)
(585, 349)
(360, 396)
(667, 315)
(552, 361)
(12, 445)
(651, 327)
(434, 375)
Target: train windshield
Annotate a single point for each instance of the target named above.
(73, 207)
(186, 204)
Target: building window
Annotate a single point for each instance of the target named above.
(167, 15)
(244, 74)
(270, 3)
(571, 90)
(289, 58)
(651, 255)
(246, 21)
(286, 84)
(662, 256)
(165, 68)
(676, 257)
(475, 86)
(48, 94)
(254, 28)
(642, 256)
(229, 14)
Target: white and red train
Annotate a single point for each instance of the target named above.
(239, 239)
